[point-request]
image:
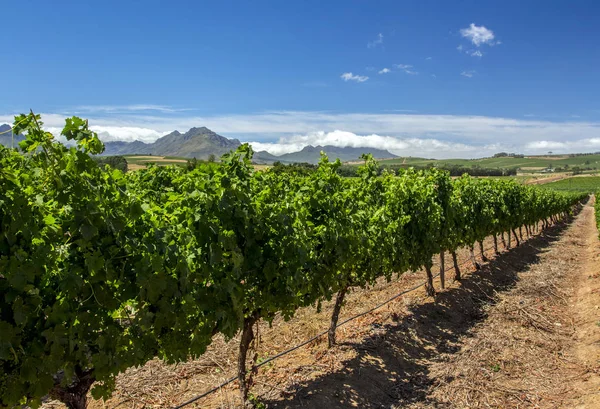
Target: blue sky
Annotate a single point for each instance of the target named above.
(465, 78)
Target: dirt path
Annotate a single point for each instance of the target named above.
(538, 346)
(585, 305)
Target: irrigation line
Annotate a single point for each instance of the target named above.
(279, 355)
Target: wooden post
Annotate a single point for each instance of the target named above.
(442, 271)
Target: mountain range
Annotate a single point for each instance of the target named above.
(312, 154)
(197, 143)
(200, 143)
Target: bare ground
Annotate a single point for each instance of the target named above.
(522, 332)
(538, 344)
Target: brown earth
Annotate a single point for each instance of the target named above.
(547, 179)
(134, 166)
(536, 180)
(522, 332)
(554, 157)
(538, 344)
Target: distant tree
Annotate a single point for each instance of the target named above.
(192, 163)
(212, 157)
(115, 162)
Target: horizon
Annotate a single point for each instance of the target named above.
(425, 79)
(507, 153)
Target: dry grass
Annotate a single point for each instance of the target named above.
(522, 355)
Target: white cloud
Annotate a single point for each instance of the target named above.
(546, 145)
(385, 71)
(476, 53)
(468, 74)
(112, 109)
(478, 35)
(459, 48)
(126, 133)
(413, 134)
(375, 43)
(433, 76)
(406, 68)
(348, 76)
(578, 145)
(404, 146)
(428, 58)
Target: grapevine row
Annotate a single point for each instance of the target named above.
(101, 271)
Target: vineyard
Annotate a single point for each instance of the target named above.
(102, 270)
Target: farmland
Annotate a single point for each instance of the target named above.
(136, 162)
(526, 163)
(169, 260)
(583, 184)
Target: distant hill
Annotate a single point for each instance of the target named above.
(264, 157)
(312, 154)
(197, 143)
(201, 142)
(6, 138)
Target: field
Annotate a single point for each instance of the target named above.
(136, 162)
(286, 289)
(529, 163)
(528, 166)
(590, 184)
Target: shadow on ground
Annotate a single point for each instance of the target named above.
(390, 367)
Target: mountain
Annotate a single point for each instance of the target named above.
(264, 157)
(312, 154)
(197, 143)
(6, 137)
(127, 148)
(201, 142)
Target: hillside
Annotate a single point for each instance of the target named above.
(312, 154)
(201, 142)
(533, 162)
(6, 136)
(197, 143)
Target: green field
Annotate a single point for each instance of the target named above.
(591, 161)
(589, 184)
(143, 160)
